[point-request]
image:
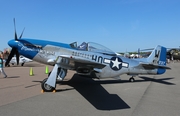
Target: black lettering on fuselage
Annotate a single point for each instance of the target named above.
(94, 57)
(97, 58)
(79, 54)
(100, 59)
(88, 56)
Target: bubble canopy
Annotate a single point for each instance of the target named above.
(92, 47)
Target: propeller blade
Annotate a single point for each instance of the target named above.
(22, 33)
(14, 50)
(17, 57)
(10, 56)
(15, 30)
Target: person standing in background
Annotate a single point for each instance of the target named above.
(1, 67)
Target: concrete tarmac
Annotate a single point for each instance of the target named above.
(149, 95)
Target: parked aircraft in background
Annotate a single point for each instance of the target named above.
(89, 58)
(173, 53)
(22, 61)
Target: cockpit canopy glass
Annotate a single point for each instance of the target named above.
(93, 47)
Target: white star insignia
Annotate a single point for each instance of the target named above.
(116, 63)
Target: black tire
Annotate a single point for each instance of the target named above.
(46, 87)
(22, 64)
(131, 79)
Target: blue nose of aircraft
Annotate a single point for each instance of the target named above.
(12, 43)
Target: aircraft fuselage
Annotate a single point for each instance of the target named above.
(47, 52)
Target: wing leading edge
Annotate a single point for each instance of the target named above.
(76, 62)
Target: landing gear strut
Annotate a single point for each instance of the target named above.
(131, 79)
(49, 84)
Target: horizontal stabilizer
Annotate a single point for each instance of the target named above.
(153, 66)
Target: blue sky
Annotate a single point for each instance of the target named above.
(121, 25)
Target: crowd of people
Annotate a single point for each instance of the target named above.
(4, 54)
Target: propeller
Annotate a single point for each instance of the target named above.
(14, 50)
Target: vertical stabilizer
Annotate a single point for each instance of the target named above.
(158, 57)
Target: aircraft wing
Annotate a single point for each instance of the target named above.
(152, 66)
(76, 62)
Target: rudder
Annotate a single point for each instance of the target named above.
(158, 57)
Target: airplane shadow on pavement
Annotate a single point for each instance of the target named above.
(93, 92)
(160, 80)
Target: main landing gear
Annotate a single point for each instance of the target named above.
(46, 87)
(56, 74)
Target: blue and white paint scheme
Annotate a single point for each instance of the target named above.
(88, 58)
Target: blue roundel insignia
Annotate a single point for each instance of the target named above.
(116, 63)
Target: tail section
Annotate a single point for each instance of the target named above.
(158, 58)
(156, 62)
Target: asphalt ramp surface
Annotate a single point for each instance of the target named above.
(20, 94)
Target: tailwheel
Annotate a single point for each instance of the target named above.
(131, 79)
(46, 87)
(22, 64)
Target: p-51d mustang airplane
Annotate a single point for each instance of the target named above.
(87, 59)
